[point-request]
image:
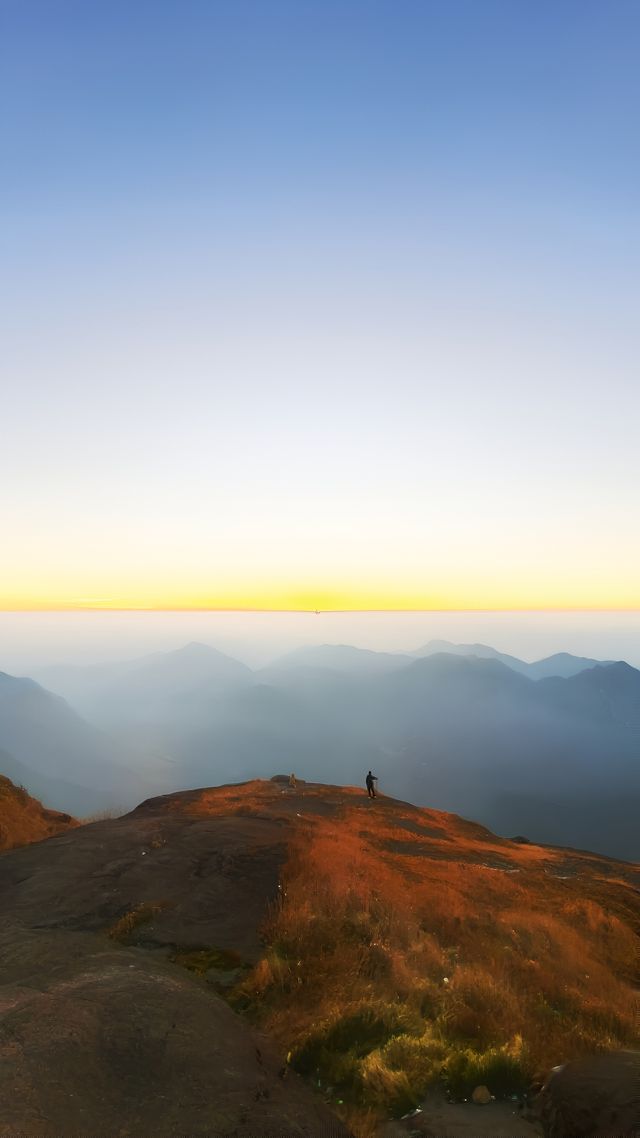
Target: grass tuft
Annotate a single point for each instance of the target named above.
(141, 914)
(504, 1070)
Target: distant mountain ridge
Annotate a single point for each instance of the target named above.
(165, 683)
(468, 729)
(198, 664)
(561, 664)
(341, 658)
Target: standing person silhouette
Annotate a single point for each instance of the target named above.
(370, 779)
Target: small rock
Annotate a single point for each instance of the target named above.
(481, 1095)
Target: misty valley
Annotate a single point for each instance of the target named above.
(547, 750)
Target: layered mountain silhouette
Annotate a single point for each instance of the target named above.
(252, 959)
(560, 664)
(163, 687)
(341, 658)
(549, 748)
(56, 754)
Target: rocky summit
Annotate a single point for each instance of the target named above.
(267, 958)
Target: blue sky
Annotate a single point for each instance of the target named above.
(317, 304)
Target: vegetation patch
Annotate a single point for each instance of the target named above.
(396, 1077)
(419, 1058)
(14, 790)
(378, 985)
(203, 960)
(356, 1033)
(344, 1055)
(141, 914)
(505, 1070)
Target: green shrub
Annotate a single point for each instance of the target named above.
(420, 1058)
(502, 1069)
(356, 1034)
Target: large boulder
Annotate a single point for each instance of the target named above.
(597, 1096)
(105, 1040)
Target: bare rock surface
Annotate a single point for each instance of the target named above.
(129, 1046)
(210, 878)
(99, 1037)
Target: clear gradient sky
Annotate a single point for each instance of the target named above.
(320, 304)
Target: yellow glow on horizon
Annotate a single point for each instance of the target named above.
(439, 596)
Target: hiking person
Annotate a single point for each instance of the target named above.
(370, 779)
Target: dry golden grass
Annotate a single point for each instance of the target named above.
(394, 958)
(105, 815)
(24, 819)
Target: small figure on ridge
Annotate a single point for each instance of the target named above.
(370, 779)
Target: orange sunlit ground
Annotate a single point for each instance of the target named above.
(451, 950)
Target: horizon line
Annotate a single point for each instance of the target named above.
(321, 611)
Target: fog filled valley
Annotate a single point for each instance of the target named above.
(547, 749)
